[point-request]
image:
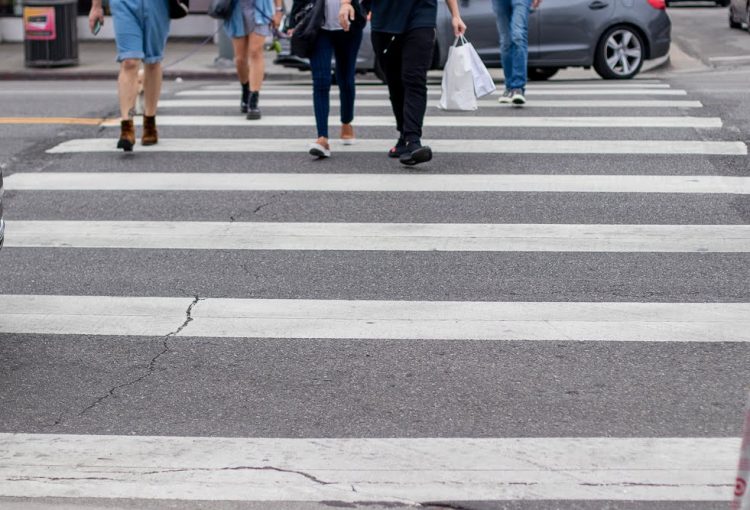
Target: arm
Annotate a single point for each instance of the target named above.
(278, 13)
(96, 13)
(346, 14)
(459, 27)
(535, 3)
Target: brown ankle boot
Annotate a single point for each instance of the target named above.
(150, 135)
(127, 136)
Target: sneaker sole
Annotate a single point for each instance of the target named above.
(421, 155)
(348, 141)
(319, 153)
(519, 102)
(253, 116)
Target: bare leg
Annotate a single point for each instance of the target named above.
(257, 61)
(151, 88)
(127, 86)
(240, 58)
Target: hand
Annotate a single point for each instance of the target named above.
(535, 3)
(346, 16)
(96, 14)
(459, 27)
(276, 21)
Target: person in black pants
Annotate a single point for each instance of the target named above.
(403, 37)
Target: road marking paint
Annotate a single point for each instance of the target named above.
(384, 103)
(156, 181)
(549, 91)
(276, 145)
(372, 320)
(732, 59)
(52, 120)
(382, 89)
(443, 121)
(405, 470)
(379, 236)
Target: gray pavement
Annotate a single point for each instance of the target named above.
(315, 388)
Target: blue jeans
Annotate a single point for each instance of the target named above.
(513, 26)
(345, 45)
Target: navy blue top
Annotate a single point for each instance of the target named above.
(399, 16)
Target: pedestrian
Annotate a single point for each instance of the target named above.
(250, 23)
(403, 37)
(332, 40)
(513, 27)
(141, 31)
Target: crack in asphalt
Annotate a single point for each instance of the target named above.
(151, 364)
(310, 477)
(270, 201)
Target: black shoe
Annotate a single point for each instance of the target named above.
(398, 149)
(245, 96)
(253, 112)
(415, 153)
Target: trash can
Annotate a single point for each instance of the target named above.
(50, 33)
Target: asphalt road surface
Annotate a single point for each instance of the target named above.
(553, 315)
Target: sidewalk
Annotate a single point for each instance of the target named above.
(97, 61)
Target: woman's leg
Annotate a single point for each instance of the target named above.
(257, 61)
(346, 47)
(320, 63)
(240, 45)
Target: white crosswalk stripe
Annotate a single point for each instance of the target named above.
(380, 236)
(407, 470)
(445, 183)
(279, 145)
(384, 103)
(373, 320)
(380, 92)
(452, 121)
(366, 470)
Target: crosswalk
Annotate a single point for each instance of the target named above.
(174, 458)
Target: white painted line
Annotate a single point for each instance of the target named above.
(300, 145)
(379, 236)
(155, 181)
(442, 121)
(382, 89)
(732, 59)
(364, 470)
(372, 320)
(384, 103)
(548, 91)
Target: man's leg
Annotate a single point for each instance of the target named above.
(503, 12)
(519, 35)
(127, 85)
(388, 49)
(416, 57)
(151, 88)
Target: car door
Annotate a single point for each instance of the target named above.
(570, 29)
(482, 30)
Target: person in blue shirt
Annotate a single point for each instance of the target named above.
(248, 26)
(403, 37)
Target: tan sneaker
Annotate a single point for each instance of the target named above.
(347, 134)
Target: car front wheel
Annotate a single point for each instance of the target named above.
(620, 54)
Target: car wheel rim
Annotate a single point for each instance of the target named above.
(623, 52)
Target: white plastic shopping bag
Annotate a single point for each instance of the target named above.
(483, 83)
(458, 80)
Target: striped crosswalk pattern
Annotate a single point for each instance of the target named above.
(193, 159)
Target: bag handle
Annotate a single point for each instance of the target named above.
(460, 39)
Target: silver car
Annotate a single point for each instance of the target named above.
(614, 37)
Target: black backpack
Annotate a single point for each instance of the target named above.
(307, 22)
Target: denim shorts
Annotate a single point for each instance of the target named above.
(141, 29)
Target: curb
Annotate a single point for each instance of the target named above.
(39, 75)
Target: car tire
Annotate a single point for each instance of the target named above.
(619, 54)
(542, 73)
(723, 3)
(732, 22)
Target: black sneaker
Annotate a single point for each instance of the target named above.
(415, 153)
(398, 149)
(253, 112)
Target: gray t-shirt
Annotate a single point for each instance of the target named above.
(332, 15)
